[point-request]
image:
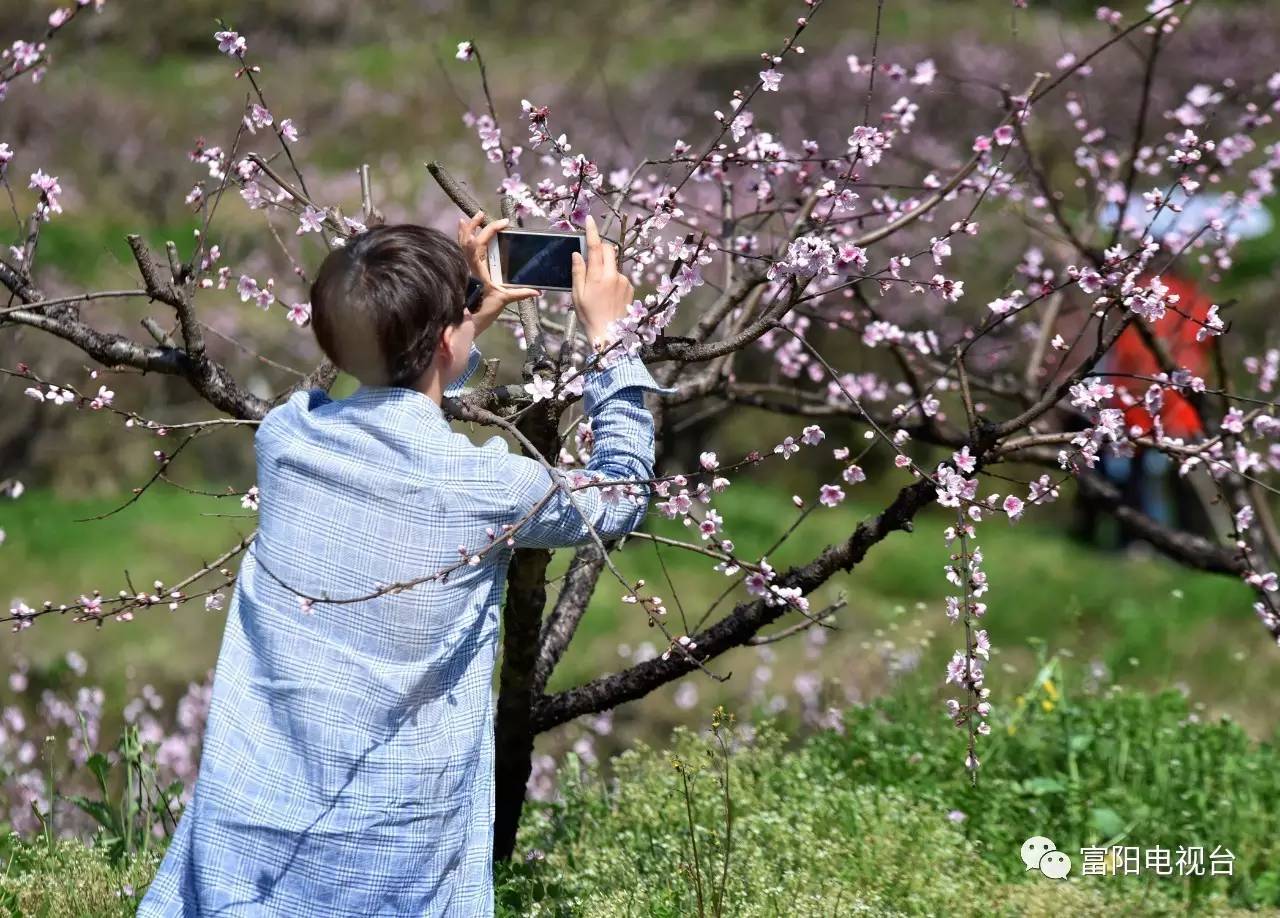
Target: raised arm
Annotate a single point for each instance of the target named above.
(621, 426)
(622, 431)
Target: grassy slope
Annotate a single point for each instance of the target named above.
(1174, 626)
(879, 819)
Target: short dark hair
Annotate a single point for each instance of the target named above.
(380, 302)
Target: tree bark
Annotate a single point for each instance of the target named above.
(521, 625)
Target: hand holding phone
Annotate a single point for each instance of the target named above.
(600, 294)
(534, 258)
(476, 242)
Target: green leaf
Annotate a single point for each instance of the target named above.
(1106, 822)
(98, 810)
(1081, 742)
(1044, 786)
(101, 769)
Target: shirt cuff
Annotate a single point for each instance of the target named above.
(628, 371)
(473, 363)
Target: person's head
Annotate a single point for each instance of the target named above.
(390, 302)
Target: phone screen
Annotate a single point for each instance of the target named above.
(536, 260)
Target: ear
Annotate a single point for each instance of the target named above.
(445, 347)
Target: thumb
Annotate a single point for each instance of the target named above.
(579, 268)
(516, 294)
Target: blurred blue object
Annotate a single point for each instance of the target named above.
(1248, 221)
(1151, 466)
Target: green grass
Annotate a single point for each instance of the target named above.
(70, 879)
(91, 249)
(878, 818)
(858, 823)
(49, 556)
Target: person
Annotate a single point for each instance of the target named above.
(347, 765)
(1131, 366)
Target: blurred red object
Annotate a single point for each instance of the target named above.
(1177, 331)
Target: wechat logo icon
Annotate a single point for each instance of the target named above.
(1040, 853)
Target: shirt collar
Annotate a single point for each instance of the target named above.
(400, 399)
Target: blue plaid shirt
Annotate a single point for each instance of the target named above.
(348, 757)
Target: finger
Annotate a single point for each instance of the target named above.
(483, 237)
(521, 293)
(579, 268)
(467, 227)
(610, 261)
(595, 256)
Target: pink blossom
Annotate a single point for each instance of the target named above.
(758, 581)
(787, 448)
(289, 130)
(868, 144)
(541, 387)
(830, 495)
(769, 80)
(258, 117)
(300, 313)
(848, 253)
(787, 596)
(853, 474)
(230, 43)
(59, 17)
(23, 613)
(50, 189)
(949, 290)
(961, 669)
(1013, 506)
(466, 51)
(1003, 305)
(247, 287)
(982, 644)
(6, 154)
(812, 435)
(266, 296)
(1213, 324)
(925, 73)
(709, 461)
(311, 220)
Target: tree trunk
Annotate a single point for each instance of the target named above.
(521, 625)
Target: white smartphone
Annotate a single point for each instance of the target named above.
(535, 258)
